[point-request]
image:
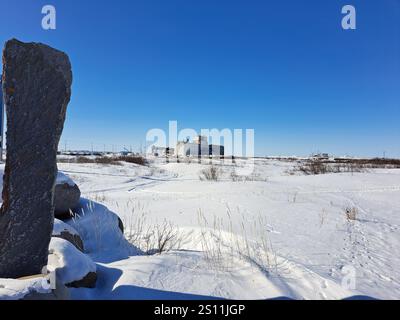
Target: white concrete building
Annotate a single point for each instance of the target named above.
(199, 147)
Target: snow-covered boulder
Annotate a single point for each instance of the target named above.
(66, 196)
(101, 231)
(73, 268)
(66, 232)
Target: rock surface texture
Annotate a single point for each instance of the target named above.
(37, 88)
(66, 199)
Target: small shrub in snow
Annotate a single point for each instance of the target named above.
(152, 238)
(314, 167)
(245, 178)
(351, 213)
(100, 160)
(133, 159)
(211, 174)
(82, 160)
(157, 238)
(108, 160)
(166, 237)
(319, 166)
(235, 177)
(360, 165)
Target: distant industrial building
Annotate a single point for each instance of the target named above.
(320, 156)
(198, 148)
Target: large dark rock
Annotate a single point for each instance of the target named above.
(88, 281)
(66, 197)
(37, 88)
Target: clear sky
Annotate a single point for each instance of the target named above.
(285, 68)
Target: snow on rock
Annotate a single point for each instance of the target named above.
(67, 232)
(14, 289)
(64, 179)
(60, 227)
(71, 265)
(101, 233)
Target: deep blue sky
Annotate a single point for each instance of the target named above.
(285, 68)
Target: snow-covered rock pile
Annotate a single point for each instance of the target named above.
(92, 231)
(67, 250)
(66, 257)
(102, 232)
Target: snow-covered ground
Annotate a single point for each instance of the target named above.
(276, 234)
